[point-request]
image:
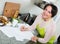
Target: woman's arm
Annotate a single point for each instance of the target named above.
(37, 20)
(33, 26)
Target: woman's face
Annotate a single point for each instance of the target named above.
(47, 12)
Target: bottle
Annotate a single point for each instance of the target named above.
(16, 14)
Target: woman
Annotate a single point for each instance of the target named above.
(44, 21)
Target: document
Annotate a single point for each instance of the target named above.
(15, 32)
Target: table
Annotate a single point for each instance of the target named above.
(4, 39)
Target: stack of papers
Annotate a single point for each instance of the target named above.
(15, 32)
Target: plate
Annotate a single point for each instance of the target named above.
(1, 24)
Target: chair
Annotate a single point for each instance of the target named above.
(58, 40)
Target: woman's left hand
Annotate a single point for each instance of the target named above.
(34, 39)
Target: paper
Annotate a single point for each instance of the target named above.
(15, 32)
(21, 35)
(7, 31)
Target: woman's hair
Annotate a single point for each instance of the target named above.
(54, 9)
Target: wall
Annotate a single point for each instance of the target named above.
(35, 10)
(58, 18)
(37, 1)
(25, 5)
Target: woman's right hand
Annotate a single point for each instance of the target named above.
(23, 28)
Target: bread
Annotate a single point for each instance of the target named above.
(3, 19)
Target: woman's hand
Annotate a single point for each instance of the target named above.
(23, 28)
(34, 39)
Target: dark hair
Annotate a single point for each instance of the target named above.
(54, 9)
